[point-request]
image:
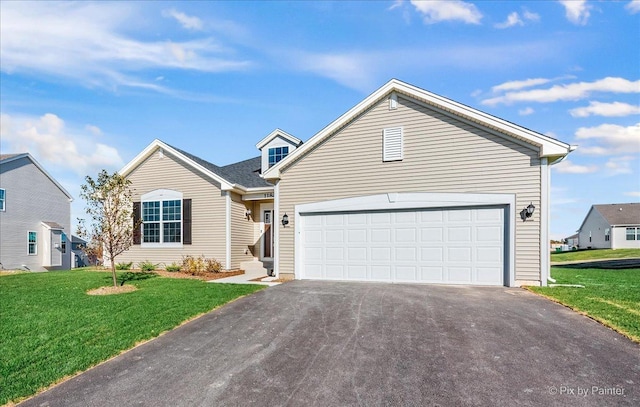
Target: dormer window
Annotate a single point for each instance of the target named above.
(276, 154)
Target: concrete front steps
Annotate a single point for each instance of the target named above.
(252, 270)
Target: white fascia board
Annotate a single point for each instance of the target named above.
(41, 168)
(155, 144)
(276, 133)
(547, 145)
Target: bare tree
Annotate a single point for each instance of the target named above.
(110, 208)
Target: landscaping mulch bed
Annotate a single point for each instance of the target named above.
(109, 290)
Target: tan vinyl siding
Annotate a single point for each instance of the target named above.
(441, 154)
(208, 209)
(242, 231)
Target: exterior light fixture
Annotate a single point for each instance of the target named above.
(527, 212)
(285, 220)
(248, 213)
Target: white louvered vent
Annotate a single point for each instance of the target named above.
(392, 144)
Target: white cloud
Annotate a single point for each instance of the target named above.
(95, 130)
(615, 109)
(516, 85)
(48, 139)
(619, 165)
(577, 11)
(188, 22)
(567, 167)
(89, 43)
(395, 5)
(512, 19)
(633, 193)
(573, 91)
(633, 6)
(610, 139)
(435, 11)
(526, 111)
(531, 16)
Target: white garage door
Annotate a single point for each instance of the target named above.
(450, 246)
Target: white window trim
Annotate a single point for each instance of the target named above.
(4, 200)
(34, 243)
(160, 195)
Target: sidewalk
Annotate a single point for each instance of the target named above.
(245, 278)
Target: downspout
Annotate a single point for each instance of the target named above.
(276, 231)
(545, 255)
(228, 230)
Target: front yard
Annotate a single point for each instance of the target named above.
(609, 296)
(50, 328)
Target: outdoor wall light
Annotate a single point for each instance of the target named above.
(527, 212)
(285, 220)
(248, 213)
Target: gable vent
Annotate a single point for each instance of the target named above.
(392, 144)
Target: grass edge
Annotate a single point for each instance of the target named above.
(585, 314)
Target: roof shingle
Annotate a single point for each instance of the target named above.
(620, 214)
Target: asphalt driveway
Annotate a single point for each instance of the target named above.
(309, 343)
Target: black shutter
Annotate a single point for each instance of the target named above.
(186, 221)
(136, 223)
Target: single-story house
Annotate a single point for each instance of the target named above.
(35, 216)
(407, 186)
(573, 240)
(611, 226)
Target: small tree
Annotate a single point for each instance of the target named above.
(109, 206)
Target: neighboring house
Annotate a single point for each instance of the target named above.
(407, 186)
(35, 216)
(573, 241)
(80, 258)
(611, 226)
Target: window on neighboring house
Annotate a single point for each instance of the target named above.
(162, 221)
(63, 243)
(276, 154)
(633, 233)
(606, 235)
(2, 198)
(32, 243)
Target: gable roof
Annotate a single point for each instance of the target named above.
(7, 158)
(548, 147)
(278, 132)
(620, 214)
(239, 176)
(246, 173)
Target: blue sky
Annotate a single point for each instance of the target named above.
(86, 86)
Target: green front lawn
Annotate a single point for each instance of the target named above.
(610, 296)
(50, 328)
(595, 254)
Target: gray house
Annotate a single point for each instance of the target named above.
(35, 216)
(611, 226)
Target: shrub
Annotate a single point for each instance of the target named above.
(199, 265)
(213, 265)
(147, 266)
(124, 266)
(173, 267)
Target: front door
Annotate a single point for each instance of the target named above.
(266, 219)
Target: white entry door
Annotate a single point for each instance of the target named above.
(449, 246)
